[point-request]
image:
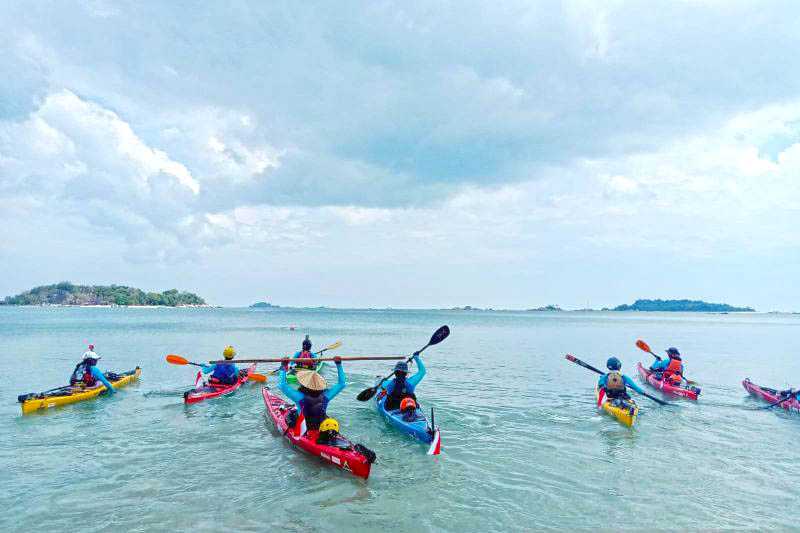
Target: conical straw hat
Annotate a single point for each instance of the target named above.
(311, 380)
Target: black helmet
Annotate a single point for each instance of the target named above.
(306, 343)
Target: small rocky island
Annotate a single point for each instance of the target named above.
(65, 293)
(684, 306)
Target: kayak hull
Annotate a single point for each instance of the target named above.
(78, 393)
(215, 391)
(663, 386)
(770, 395)
(348, 460)
(418, 429)
(624, 415)
(291, 377)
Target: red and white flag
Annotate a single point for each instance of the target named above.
(199, 380)
(436, 445)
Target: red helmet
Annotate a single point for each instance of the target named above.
(408, 403)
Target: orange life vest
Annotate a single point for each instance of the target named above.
(674, 370)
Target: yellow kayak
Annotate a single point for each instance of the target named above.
(67, 395)
(625, 414)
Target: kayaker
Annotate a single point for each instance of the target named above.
(784, 394)
(614, 384)
(308, 362)
(313, 395)
(329, 434)
(225, 373)
(401, 386)
(671, 369)
(87, 373)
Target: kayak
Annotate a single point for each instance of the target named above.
(214, 390)
(770, 395)
(625, 415)
(74, 394)
(665, 387)
(418, 427)
(355, 459)
(291, 377)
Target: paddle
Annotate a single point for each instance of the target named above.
(577, 361)
(438, 336)
(325, 349)
(645, 348)
(178, 360)
(292, 359)
(791, 395)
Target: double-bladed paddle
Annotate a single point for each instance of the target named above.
(645, 348)
(791, 395)
(438, 336)
(174, 359)
(325, 349)
(577, 361)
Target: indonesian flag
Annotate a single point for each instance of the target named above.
(300, 426)
(198, 380)
(436, 445)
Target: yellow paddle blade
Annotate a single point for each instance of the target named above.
(176, 360)
(643, 346)
(334, 345)
(261, 378)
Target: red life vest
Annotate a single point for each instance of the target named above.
(674, 370)
(306, 364)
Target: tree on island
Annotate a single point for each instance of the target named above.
(65, 293)
(695, 306)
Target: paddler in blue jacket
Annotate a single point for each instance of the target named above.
(87, 373)
(671, 369)
(614, 384)
(401, 386)
(225, 373)
(313, 396)
(307, 358)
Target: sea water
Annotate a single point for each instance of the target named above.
(523, 446)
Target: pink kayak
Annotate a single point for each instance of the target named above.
(770, 395)
(214, 390)
(668, 388)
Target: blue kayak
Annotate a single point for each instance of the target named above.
(417, 427)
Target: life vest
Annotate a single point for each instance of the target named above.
(225, 373)
(674, 368)
(314, 409)
(309, 364)
(614, 382)
(401, 389)
(83, 374)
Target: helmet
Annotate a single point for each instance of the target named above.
(228, 352)
(329, 424)
(613, 363)
(408, 403)
(673, 352)
(306, 343)
(91, 347)
(402, 366)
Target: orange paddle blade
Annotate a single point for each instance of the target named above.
(176, 360)
(643, 346)
(261, 378)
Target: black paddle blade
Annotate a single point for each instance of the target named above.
(441, 334)
(366, 394)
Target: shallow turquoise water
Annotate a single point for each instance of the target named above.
(523, 446)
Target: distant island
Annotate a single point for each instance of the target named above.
(65, 293)
(265, 305)
(692, 306)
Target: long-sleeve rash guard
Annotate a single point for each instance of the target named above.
(628, 383)
(98, 375)
(296, 396)
(411, 382)
(224, 372)
(660, 366)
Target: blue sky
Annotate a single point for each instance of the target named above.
(405, 154)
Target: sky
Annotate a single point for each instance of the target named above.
(405, 154)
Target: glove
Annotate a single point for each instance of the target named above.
(415, 354)
(207, 369)
(337, 360)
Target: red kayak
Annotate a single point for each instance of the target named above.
(668, 388)
(214, 390)
(355, 459)
(770, 395)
